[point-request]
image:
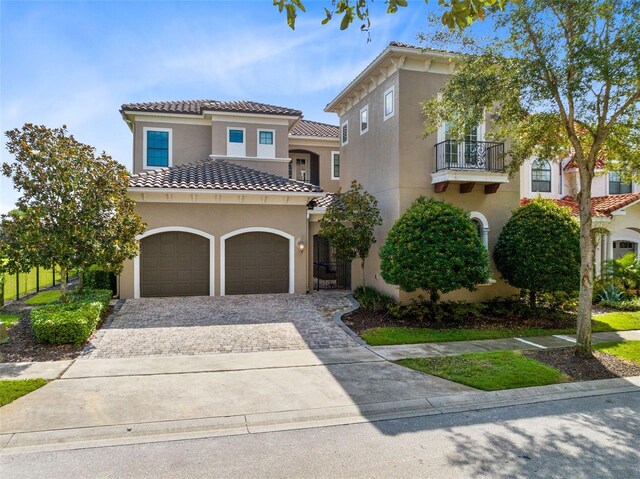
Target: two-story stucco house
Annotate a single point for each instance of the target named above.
(226, 190)
(383, 147)
(615, 204)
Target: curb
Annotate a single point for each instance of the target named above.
(337, 318)
(175, 430)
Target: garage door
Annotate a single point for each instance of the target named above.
(174, 264)
(256, 263)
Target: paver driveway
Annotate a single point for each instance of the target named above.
(227, 324)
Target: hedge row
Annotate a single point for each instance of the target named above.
(73, 322)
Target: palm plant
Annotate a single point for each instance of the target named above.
(624, 272)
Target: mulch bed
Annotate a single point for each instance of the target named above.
(24, 347)
(600, 366)
(361, 320)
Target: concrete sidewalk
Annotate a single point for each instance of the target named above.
(34, 370)
(423, 350)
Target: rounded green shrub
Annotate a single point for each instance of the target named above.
(435, 247)
(538, 249)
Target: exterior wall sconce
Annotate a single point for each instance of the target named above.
(300, 245)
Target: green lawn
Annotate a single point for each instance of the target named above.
(620, 321)
(488, 371)
(12, 389)
(10, 318)
(629, 350)
(44, 297)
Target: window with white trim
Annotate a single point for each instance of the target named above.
(344, 133)
(335, 165)
(388, 102)
(157, 146)
(616, 186)
(364, 120)
(541, 176)
(236, 142)
(266, 144)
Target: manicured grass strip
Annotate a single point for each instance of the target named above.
(629, 350)
(45, 297)
(12, 389)
(488, 371)
(10, 318)
(619, 321)
(398, 335)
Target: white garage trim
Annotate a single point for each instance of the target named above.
(258, 229)
(183, 229)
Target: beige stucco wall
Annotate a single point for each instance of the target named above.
(219, 137)
(189, 142)
(394, 162)
(220, 219)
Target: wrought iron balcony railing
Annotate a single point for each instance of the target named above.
(470, 155)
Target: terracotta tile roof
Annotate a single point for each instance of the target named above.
(196, 107)
(601, 206)
(316, 129)
(218, 175)
(322, 202)
(572, 164)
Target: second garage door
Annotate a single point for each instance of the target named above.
(256, 263)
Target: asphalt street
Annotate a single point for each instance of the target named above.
(595, 437)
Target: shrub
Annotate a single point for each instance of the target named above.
(447, 312)
(373, 300)
(538, 249)
(62, 323)
(610, 293)
(623, 305)
(434, 246)
(96, 278)
(623, 272)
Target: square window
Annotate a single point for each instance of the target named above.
(236, 136)
(266, 138)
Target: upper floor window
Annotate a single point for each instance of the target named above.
(236, 144)
(388, 103)
(266, 144)
(157, 147)
(616, 186)
(364, 120)
(541, 176)
(344, 133)
(266, 138)
(335, 165)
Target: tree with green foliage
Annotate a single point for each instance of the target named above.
(73, 211)
(538, 249)
(349, 223)
(457, 13)
(435, 247)
(559, 80)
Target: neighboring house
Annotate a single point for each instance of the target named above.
(383, 147)
(615, 205)
(225, 189)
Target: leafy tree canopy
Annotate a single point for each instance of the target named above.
(457, 13)
(560, 79)
(538, 249)
(349, 223)
(434, 246)
(73, 210)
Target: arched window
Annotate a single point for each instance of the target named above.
(541, 176)
(482, 226)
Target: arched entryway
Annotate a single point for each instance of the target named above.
(174, 261)
(256, 261)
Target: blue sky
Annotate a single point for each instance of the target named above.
(75, 63)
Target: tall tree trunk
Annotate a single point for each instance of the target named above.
(585, 298)
(63, 284)
(364, 281)
(80, 279)
(532, 299)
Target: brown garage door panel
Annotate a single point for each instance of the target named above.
(256, 263)
(174, 264)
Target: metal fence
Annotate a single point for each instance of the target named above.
(332, 275)
(20, 284)
(469, 155)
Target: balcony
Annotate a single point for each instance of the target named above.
(469, 163)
